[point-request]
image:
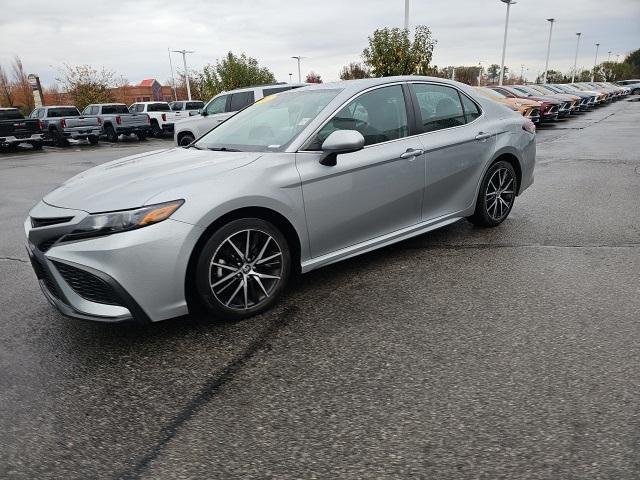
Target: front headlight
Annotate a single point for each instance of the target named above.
(107, 223)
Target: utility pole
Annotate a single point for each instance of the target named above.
(522, 72)
(186, 72)
(173, 80)
(479, 72)
(298, 58)
(575, 60)
(546, 66)
(290, 78)
(504, 42)
(595, 63)
(406, 14)
(609, 57)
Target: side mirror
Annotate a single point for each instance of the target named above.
(203, 112)
(340, 141)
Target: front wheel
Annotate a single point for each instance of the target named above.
(185, 140)
(242, 269)
(496, 196)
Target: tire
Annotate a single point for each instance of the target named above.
(141, 136)
(93, 140)
(58, 138)
(37, 145)
(185, 140)
(156, 131)
(112, 135)
(222, 272)
(493, 208)
(635, 91)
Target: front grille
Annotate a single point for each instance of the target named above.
(535, 112)
(553, 109)
(44, 275)
(87, 285)
(45, 222)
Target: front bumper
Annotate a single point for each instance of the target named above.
(136, 275)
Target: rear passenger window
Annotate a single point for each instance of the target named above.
(471, 110)
(240, 100)
(440, 106)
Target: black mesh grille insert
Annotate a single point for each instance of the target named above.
(45, 222)
(43, 275)
(46, 245)
(88, 286)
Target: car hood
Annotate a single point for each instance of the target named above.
(130, 182)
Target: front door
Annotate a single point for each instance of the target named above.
(371, 192)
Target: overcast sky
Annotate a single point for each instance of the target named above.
(131, 37)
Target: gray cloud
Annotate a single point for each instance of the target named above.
(132, 37)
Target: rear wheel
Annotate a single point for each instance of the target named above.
(141, 135)
(58, 138)
(93, 140)
(496, 196)
(156, 131)
(112, 135)
(37, 145)
(185, 140)
(242, 269)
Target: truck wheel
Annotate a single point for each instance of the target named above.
(141, 136)
(37, 145)
(185, 140)
(58, 139)
(156, 131)
(93, 140)
(112, 135)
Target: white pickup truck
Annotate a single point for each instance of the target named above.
(161, 116)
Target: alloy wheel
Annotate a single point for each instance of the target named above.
(246, 269)
(500, 194)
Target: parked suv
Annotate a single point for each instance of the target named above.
(117, 120)
(187, 107)
(222, 106)
(15, 129)
(633, 84)
(161, 117)
(63, 122)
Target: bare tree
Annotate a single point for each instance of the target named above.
(21, 85)
(6, 89)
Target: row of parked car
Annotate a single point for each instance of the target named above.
(59, 123)
(550, 102)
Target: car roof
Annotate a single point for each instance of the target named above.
(146, 103)
(105, 104)
(58, 106)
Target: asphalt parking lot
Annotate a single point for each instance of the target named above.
(510, 353)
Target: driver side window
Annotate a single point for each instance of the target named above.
(218, 105)
(379, 115)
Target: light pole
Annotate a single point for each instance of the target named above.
(291, 78)
(186, 72)
(575, 60)
(173, 80)
(522, 73)
(546, 65)
(298, 58)
(504, 42)
(595, 62)
(406, 14)
(609, 57)
(479, 72)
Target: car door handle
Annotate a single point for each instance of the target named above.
(482, 136)
(412, 153)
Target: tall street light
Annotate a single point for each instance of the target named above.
(575, 60)
(504, 42)
(609, 57)
(546, 65)
(595, 62)
(173, 80)
(298, 58)
(406, 14)
(186, 72)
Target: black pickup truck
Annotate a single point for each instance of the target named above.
(15, 129)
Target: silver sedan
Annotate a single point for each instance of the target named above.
(299, 180)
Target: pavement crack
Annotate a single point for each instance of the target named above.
(208, 391)
(13, 259)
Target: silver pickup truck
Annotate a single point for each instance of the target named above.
(63, 122)
(117, 120)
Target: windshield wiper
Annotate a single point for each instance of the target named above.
(224, 149)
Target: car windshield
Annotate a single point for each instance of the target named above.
(270, 124)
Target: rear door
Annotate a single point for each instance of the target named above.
(457, 142)
(371, 192)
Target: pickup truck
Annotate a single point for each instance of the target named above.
(223, 106)
(160, 115)
(187, 107)
(117, 120)
(15, 129)
(63, 122)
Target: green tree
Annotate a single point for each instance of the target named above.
(613, 71)
(633, 60)
(354, 71)
(493, 72)
(391, 51)
(86, 85)
(553, 76)
(233, 71)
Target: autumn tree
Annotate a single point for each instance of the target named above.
(22, 86)
(85, 85)
(6, 89)
(354, 71)
(391, 51)
(313, 77)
